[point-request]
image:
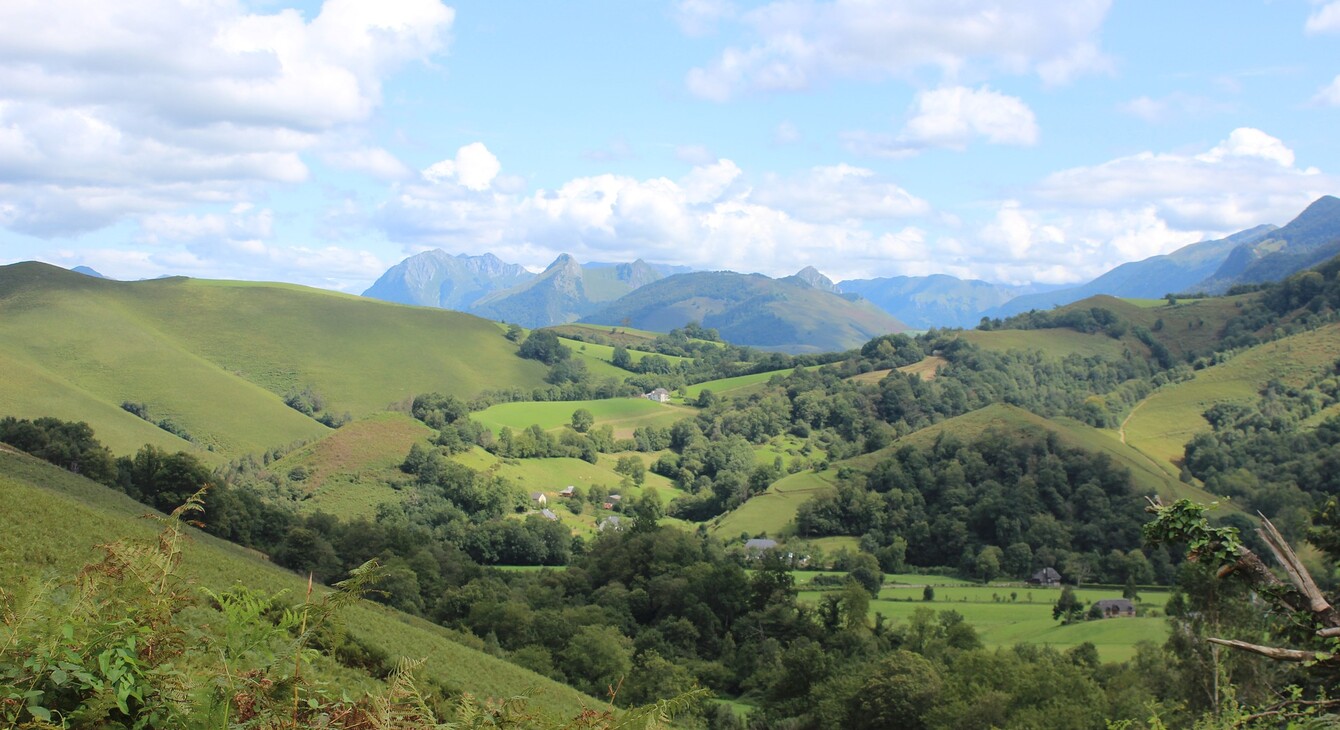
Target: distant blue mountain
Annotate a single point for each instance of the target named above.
(86, 271)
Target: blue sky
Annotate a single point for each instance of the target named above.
(320, 143)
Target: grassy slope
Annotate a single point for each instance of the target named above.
(350, 471)
(1054, 342)
(1164, 422)
(216, 357)
(623, 414)
(65, 516)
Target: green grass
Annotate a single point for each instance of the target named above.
(1053, 342)
(1021, 622)
(217, 357)
(772, 512)
(623, 414)
(64, 517)
(739, 385)
(350, 471)
(1161, 426)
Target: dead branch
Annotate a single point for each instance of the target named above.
(1274, 652)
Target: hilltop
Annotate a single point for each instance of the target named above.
(219, 358)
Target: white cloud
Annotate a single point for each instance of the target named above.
(712, 217)
(1325, 20)
(952, 117)
(1329, 95)
(798, 43)
(1080, 222)
(373, 161)
(1172, 106)
(109, 110)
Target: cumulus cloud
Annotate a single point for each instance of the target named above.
(111, 110)
(1077, 223)
(716, 215)
(952, 117)
(797, 43)
(1325, 20)
(701, 17)
(474, 168)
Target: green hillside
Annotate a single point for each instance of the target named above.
(218, 357)
(1161, 425)
(65, 516)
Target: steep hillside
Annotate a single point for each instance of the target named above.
(1308, 240)
(811, 277)
(1180, 271)
(565, 292)
(751, 309)
(1161, 426)
(217, 358)
(924, 302)
(438, 279)
(64, 517)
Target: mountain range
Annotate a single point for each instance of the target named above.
(568, 291)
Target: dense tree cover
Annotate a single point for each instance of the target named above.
(69, 445)
(1004, 504)
(543, 345)
(1264, 455)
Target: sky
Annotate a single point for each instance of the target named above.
(322, 142)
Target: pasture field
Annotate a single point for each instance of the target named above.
(65, 516)
(623, 414)
(1008, 623)
(740, 385)
(1051, 342)
(350, 471)
(1164, 422)
(871, 378)
(773, 511)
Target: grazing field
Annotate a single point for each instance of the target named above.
(740, 385)
(351, 471)
(1161, 426)
(217, 358)
(64, 517)
(772, 512)
(623, 414)
(1005, 623)
(1052, 342)
(788, 448)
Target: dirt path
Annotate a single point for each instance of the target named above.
(1127, 419)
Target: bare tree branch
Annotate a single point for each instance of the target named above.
(1274, 652)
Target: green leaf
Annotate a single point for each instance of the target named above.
(59, 676)
(40, 713)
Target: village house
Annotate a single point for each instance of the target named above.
(1047, 577)
(548, 514)
(660, 395)
(539, 498)
(566, 491)
(611, 523)
(1113, 607)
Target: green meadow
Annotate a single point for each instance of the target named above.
(1052, 342)
(1028, 619)
(623, 414)
(1160, 426)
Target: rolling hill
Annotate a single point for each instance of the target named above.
(754, 310)
(217, 357)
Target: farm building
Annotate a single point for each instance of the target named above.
(566, 491)
(759, 544)
(548, 514)
(1045, 577)
(660, 395)
(539, 498)
(1114, 607)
